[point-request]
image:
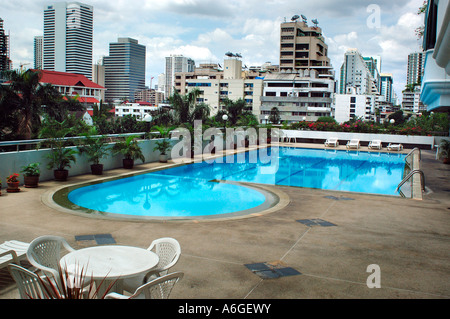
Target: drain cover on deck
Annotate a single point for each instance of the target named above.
(315, 222)
(100, 239)
(272, 270)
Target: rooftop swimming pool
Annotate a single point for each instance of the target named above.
(220, 189)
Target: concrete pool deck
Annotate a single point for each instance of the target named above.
(318, 246)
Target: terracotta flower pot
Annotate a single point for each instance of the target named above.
(128, 163)
(13, 187)
(97, 169)
(61, 175)
(31, 181)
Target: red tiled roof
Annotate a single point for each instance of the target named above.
(85, 99)
(67, 79)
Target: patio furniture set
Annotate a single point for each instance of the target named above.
(116, 272)
(355, 144)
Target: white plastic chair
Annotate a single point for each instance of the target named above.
(44, 253)
(168, 251)
(12, 251)
(354, 143)
(332, 141)
(28, 283)
(159, 288)
(375, 144)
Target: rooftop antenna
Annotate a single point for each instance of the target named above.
(304, 18)
(315, 22)
(295, 18)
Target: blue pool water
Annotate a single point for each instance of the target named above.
(194, 190)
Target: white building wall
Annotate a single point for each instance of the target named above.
(348, 106)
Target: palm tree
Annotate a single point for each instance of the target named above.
(186, 107)
(235, 109)
(22, 98)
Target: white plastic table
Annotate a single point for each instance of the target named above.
(110, 264)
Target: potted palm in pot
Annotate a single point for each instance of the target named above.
(131, 151)
(95, 148)
(164, 145)
(31, 173)
(60, 157)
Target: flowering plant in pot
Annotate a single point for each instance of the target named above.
(31, 173)
(13, 183)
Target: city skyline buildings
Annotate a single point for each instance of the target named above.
(124, 69)
(205, 36)
(68, 38)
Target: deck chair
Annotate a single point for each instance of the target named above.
(354, 143)
(159, 288)
(168, 251)
(332, 141)
(375, 144)
(29, 284)
(12, 251)
(395, 147)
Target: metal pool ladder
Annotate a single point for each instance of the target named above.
(412, 173)
(422, 181)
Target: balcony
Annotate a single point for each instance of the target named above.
(435, 91)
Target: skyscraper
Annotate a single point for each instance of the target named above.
(124, 69)
(68, 35)
(5, 62)
(356, 75)
(174, 64)
(416, 62)
(38, 52)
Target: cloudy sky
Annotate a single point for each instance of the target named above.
(205, 29)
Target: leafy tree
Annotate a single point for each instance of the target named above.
(274, 116)
(186, 109)
(22, 99)
(234, 109)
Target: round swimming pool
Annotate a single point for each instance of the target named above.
(157, 195)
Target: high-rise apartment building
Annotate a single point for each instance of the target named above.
(303, 87)
(124, 69)
(5, 62)
(356, 74)
(68, 36)
(416, 62)
(175, 64)
(387, 81)
(303, 47)
(38, 52)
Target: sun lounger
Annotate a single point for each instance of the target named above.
(395, 147)
(375, 144)
(12, 251)
(332, 142)
(353, 144)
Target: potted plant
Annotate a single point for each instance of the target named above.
(60, 160)
(131, 151)
(95, 147)
(60, 157)
(444, 151)
(13, 183)
(163, 147)
(31, 173)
